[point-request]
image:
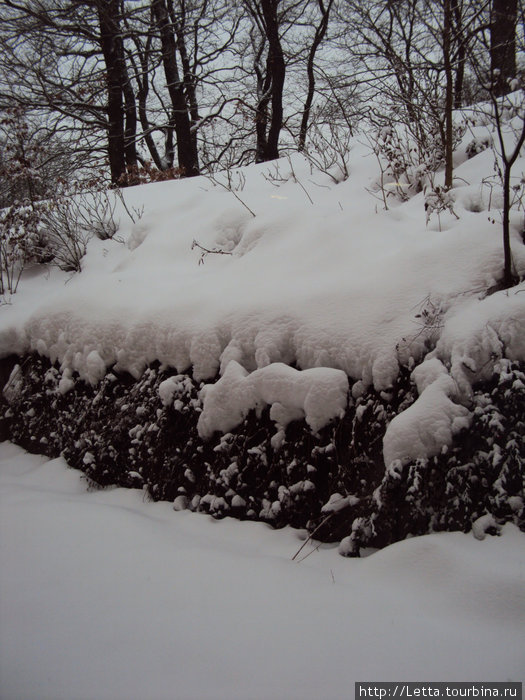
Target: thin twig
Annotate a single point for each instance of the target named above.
(310, 536)
(207, 251)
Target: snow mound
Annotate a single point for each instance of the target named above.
(424, 428)
(324, 281)
(173, 388)
(480, 332)
(473, 339)
(317, 395)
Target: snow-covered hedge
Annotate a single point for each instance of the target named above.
(327, 475)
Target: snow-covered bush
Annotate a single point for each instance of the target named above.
(478, 145)
(21, 241)
(56, 230)
(482, 474)
(408, 160)
(22, 184)
(69, 221)
(439, 200)
(66, 238)
(144, 434)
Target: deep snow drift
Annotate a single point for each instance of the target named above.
(105, 596)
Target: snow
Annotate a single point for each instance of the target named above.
(318, 395)
(334, 284)
(475, 335)
(423, 429)
(482, 524)
(315, 275)
(173, 388)
(479, 331)
(105, 596)
(337, 502)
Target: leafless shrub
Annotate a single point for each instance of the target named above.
(233, 182)
(66, 237)
(69, 222)
(328, 151)
(21, 241)
(407, 164)
(276, 178)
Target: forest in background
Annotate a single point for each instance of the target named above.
(126, 92)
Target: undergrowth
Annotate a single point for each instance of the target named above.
(334, 484)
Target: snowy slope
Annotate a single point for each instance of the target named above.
(105, 596)
(319, 276)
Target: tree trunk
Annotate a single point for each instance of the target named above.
(130, 124)
(186, 151)
(261, 127)
(503, 44)
(110, 43)
(460, 54)
(263, 98)
(188, 79)
(276, 70)
(318, 38)
(449, 92)
(507, 255)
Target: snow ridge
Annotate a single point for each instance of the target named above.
(318, 395)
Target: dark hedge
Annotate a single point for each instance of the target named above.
(120, 433)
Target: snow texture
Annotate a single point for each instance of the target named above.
(318, 395)
(328, 283)
(424, 428)
(106, 596)
(478, 334)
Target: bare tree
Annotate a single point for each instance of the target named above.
(66, 60)
(186, 145)
(504, 17)
(415, 55)
(319, 35)
(270, 69)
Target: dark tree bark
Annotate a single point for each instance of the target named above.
(130, 120)
(188, 160)
(460, 54)
(449, 91)
(319, 35)
(188, 79)
(277, 70)
(504, 17)
(111, 44)
(270, 73)
(264, 84)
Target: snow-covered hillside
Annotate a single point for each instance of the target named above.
(334, 283)
(318, 276)
(301, 295)
(274, 345)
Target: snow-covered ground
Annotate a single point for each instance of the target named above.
(104, 595)
(336, 283)
(319, 275)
